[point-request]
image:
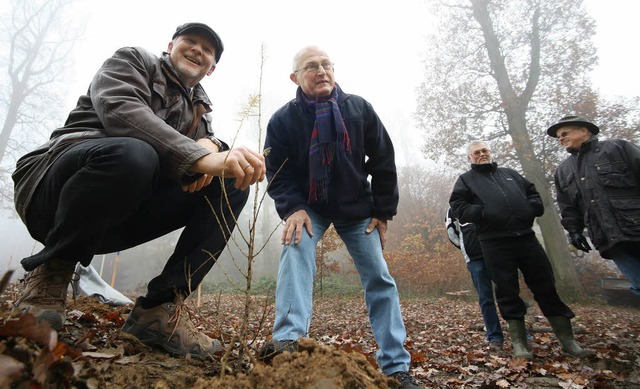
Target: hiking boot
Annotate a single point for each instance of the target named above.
(168, 326)
(45, 292)
(405, 381)
(275, 347)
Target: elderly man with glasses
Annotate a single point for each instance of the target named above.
(502, 204)
(324, 145)
(598, 186)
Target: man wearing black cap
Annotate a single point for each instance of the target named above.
(135, 160)
(598, 186)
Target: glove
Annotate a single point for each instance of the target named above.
(579, 241)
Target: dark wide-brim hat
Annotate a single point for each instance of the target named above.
(207, 31)
(572, 120)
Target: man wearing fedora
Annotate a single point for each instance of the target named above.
(598, 187)
(135, 160)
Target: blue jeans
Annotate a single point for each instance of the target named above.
(294, 291)
(626, 256)
(482, 282)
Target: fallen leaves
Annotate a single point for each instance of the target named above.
(27, 327)
(35, 345)
(444, 337)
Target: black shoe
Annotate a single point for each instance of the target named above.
(495, 346)
(405, 380)
(275, 347)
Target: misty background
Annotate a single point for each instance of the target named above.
(382, 51)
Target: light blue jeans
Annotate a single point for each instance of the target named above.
(294, 291)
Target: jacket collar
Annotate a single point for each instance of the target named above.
(484, 167)
(591, 144)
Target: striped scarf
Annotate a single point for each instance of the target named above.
(329, 135)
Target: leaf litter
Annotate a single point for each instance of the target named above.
(444, 336)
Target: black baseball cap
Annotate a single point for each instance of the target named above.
(203, 29)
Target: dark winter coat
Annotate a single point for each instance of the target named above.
(598, 187)
(134, 94)
(372, 155)
(498, 201)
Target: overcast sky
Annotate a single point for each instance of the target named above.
(616, 27)
(377, 48)
(375, 45)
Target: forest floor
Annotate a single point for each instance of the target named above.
(445, 339)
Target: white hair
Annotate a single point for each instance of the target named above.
(477, 142)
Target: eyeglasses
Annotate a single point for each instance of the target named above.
(315, 67)
(478, 153)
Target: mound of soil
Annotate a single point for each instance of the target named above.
(313, 366)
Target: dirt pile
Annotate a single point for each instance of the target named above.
(313, 366)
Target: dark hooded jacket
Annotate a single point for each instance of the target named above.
(598, 187)
(498, 201)
(134, 94)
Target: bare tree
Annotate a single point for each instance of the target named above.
(502, 70)
(422, 208)
(34, 59)
(620, 118)
(419, 254)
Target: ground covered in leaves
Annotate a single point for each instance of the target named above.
(445, 339)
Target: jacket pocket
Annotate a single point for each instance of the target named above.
(627, 214)
(166, 104)
(615, 174)
(165, 94)
(570, 187)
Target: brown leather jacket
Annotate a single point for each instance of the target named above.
(134, 94)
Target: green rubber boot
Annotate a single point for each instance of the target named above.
(519, 339)
(570, 347)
